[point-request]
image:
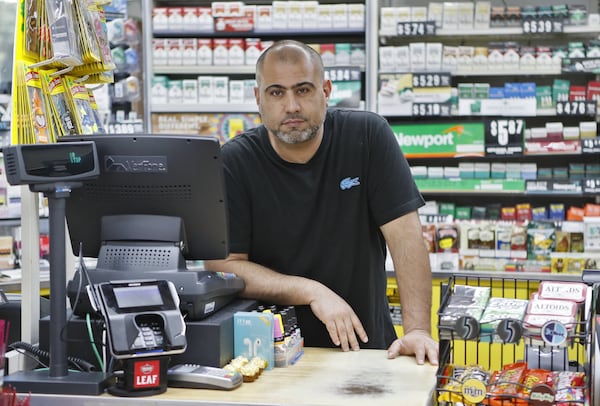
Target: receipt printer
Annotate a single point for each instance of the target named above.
(144, 326)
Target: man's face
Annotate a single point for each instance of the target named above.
(292, 99)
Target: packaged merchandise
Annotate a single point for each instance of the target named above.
(497, 309)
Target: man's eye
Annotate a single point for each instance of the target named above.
(303, 90)
(276, 93)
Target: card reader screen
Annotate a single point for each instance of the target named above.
(137, 296)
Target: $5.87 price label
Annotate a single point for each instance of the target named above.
(505, 131)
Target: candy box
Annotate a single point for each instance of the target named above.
(253, 336)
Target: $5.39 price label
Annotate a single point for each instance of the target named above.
(543, 25)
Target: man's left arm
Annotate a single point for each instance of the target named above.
(404, 238)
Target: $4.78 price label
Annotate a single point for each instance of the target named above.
(576, 108)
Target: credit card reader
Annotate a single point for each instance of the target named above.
(142, 318)
(144, 326)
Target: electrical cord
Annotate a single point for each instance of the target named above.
(93, 341)
(30, 356)
(64, 332)
(81, 364)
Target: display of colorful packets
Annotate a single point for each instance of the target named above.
(514, 385)
(569, 387)
(505, 383)
(464, 301)
(532, 378)
(500, 308)
(452, 391)
(560, 290)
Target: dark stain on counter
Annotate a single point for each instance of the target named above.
(362, 389)
(364, 385)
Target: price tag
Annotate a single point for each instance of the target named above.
(504, 136)
(576, 108)
(590, 145)
(415, 28)
(588, 65)
(543, 25)
(432, 79)
(431, 109)
(435, 218)
(342, 73)
(124, 128)
(346, 86)
(591, 185)
(537, 186)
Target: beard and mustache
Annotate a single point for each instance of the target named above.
(295, 136)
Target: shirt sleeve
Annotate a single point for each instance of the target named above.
(392, 189)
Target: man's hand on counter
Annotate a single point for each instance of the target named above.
(418, 343)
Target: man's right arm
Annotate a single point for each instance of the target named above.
(263, 283)
(267, 285)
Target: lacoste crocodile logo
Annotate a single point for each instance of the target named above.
(348, 183)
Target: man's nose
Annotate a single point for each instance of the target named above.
(291, 103)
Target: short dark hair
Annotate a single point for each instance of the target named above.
(290, 50)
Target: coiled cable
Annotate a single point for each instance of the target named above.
(81, 364)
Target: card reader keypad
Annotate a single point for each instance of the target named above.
(150, 336)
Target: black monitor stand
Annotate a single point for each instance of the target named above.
(58, 379)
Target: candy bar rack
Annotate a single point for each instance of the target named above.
(465, 344)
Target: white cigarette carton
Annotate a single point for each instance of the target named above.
(205, 90)
(190, 91)
(189, 51)
(236, 91)
(221, 89)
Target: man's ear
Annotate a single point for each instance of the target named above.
(327, 86)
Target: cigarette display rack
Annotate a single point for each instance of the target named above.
(504, 341)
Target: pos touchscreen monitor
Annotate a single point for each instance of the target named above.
(158, 203)
(157, 177)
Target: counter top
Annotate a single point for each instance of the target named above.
(320, 377)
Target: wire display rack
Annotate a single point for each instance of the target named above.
(504, 361)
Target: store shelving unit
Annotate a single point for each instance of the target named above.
(241, 72)
(494, 191)
(488, 192)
